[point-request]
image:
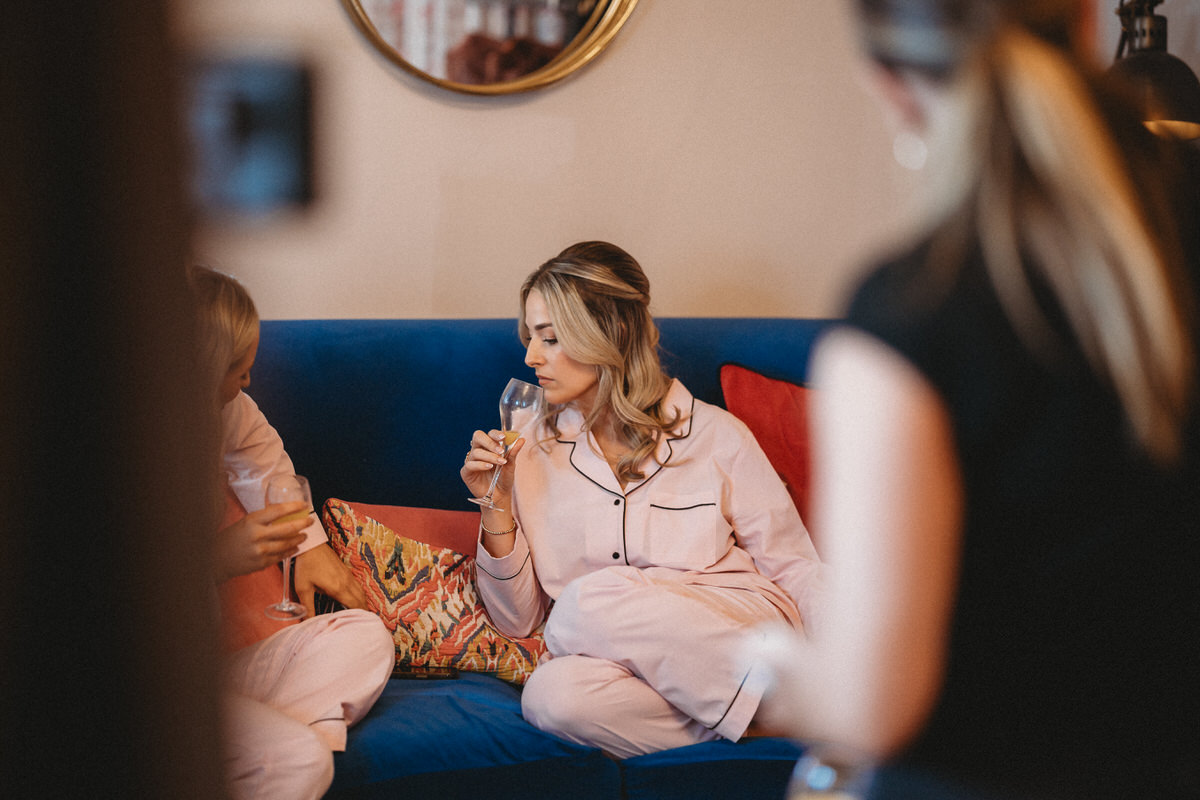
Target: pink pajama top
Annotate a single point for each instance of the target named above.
(714, 509)
(251, 452)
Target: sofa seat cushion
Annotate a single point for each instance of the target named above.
(464, 738)
(712, 771)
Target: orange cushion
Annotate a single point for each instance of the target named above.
(245, 597)
(776, 412)
(453, 530)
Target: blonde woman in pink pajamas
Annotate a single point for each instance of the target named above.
(644, 526)
(290, 697)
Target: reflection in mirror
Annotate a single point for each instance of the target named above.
(479, 41)
(490, 46)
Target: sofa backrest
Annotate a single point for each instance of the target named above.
(380, 411)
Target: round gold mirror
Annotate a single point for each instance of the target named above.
(490, 46)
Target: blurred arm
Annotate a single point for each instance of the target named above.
(888, 503)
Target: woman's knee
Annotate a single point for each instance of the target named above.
(271, 755)
(588, 603)
(379, 646)
(304, 770)
(555, 698)
(367, 658)
(362, 637)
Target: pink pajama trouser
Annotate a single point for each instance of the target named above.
(291, 697)
(643, 660)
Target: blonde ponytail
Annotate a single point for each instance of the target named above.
(1056, 186)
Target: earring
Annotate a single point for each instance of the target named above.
(909, 150)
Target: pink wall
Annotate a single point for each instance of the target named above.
(731, 149)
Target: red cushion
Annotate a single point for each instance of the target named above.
(776, 412)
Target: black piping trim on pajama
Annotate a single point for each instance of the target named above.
(733, 700)
(510, 577)
(681, 508)
(625, 497)
(618, 497)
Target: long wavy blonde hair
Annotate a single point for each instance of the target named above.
(1033, 165)
(598, 298)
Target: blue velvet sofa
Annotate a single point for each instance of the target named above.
(380, 412)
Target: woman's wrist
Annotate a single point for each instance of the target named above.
(497, 533)
(504, 530)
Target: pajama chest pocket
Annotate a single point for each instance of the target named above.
(686, 531)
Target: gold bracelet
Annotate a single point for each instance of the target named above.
(497, 533)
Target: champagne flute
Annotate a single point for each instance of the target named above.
(288, 489)
(520, 404)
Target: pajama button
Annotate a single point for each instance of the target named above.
(617, 502)
(616, 555)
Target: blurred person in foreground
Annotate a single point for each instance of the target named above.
(1006, 439)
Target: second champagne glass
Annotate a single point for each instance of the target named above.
(520, 404)
(288, 489)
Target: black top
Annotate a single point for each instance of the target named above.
(1072, 663)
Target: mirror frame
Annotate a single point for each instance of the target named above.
(606, 20)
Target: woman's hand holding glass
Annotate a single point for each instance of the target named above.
(490, 467)
(520, 404)
(259, 539)
(292, 490)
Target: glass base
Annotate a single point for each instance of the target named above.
(288, 610)
(486, 502)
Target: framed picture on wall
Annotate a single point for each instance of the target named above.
(250, 128)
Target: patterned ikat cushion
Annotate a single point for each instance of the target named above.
(426, 596)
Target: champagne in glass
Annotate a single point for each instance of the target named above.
(288, 489)
(520, 404)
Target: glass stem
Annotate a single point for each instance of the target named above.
(492, 487)
(287, 581)
(495, 478)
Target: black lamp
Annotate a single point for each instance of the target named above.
(1167, 89)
